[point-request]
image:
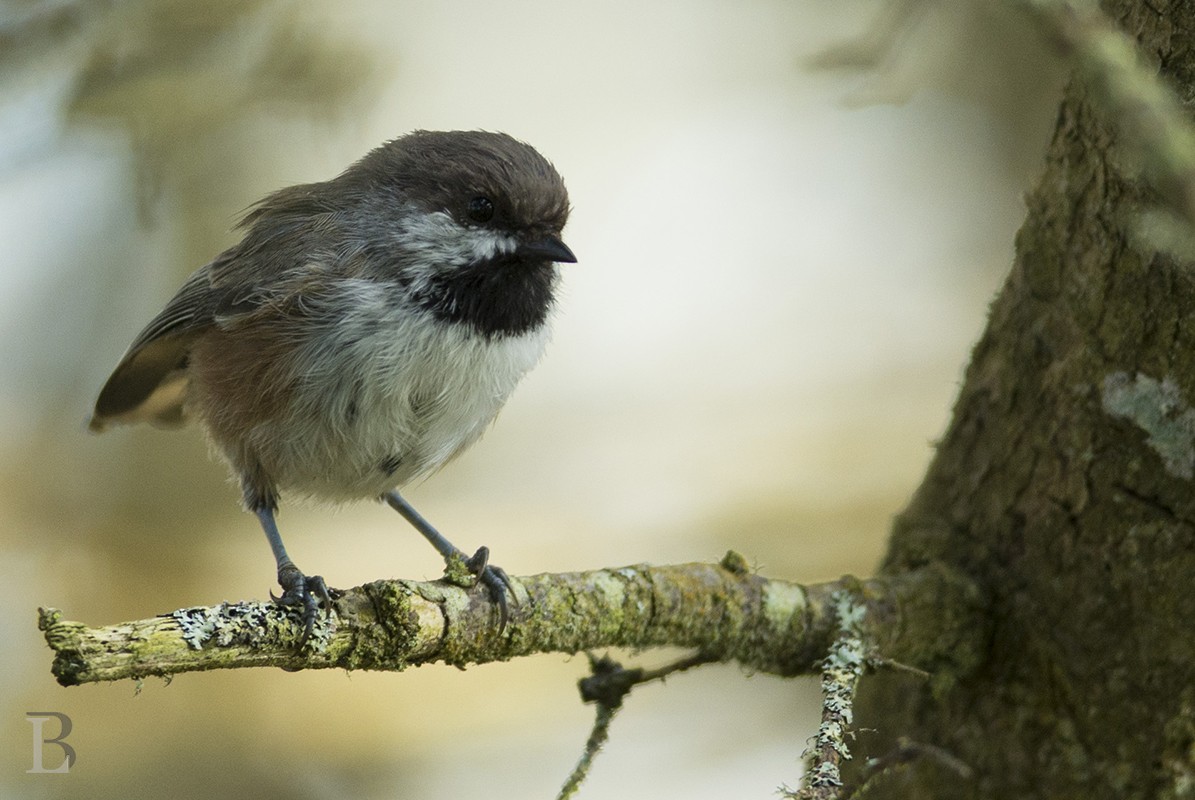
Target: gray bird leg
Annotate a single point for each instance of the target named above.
(494, 577)
(297, 589)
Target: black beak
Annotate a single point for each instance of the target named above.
(549, 248)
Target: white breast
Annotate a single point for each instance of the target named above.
(386, 395)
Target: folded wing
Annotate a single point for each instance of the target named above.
(149, 384)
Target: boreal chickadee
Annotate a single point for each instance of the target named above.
(364, 331)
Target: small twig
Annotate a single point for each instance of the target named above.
(597, 738)
(609, 676)
(906, 752)
(609, 684)
(879, 662)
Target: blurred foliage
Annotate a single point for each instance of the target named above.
(186, 80)
(178, 75)
(980, 52)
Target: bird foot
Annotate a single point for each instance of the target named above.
(468, 572)
(306, 593)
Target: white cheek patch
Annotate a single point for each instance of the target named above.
(438, 241)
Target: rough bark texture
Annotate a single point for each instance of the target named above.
(1063, 487)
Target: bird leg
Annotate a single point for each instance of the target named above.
(304, 591)
(493, 577)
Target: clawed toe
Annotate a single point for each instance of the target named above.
(477, 565)
(305, 592)
(495, 580)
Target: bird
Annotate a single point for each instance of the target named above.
(363, 332)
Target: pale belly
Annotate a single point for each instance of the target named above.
(388, 408)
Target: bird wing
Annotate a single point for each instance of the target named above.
(149, 383)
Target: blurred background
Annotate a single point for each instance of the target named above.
(790, 217)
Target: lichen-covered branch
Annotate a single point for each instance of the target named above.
(841, 670)
(721, 609)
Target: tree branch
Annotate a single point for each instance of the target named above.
(841, 671)
(723, 610)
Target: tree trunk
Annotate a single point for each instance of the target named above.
(1064, 488)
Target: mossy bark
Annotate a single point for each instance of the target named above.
(723, 611)
(1063, 488)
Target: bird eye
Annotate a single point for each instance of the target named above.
(481, 209)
